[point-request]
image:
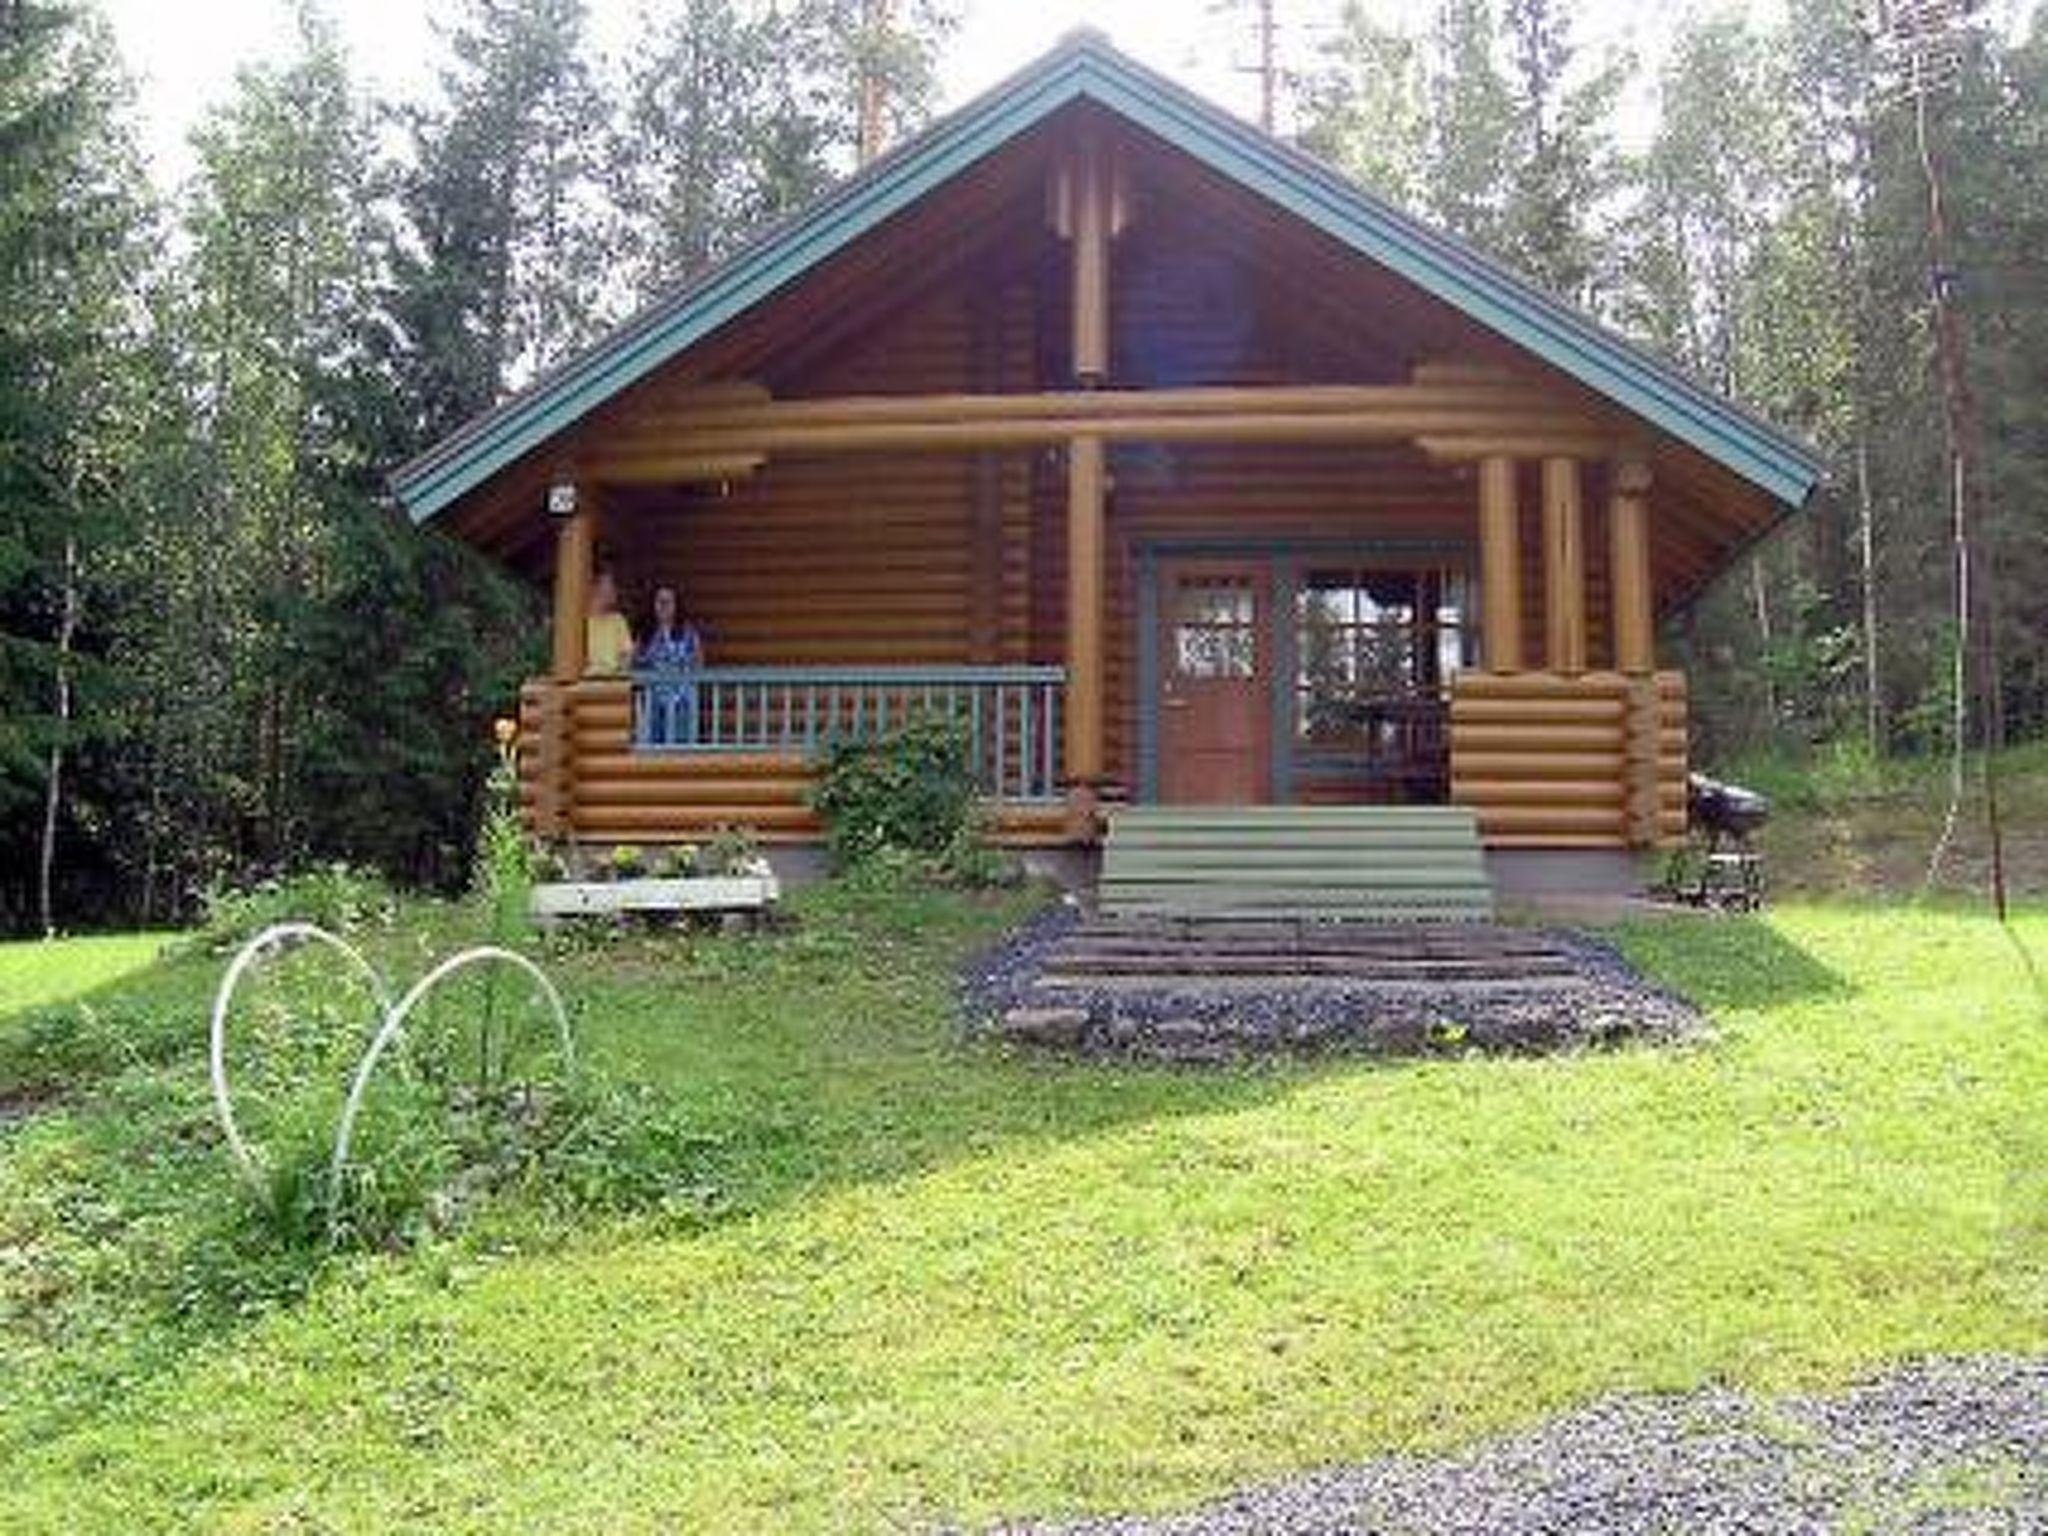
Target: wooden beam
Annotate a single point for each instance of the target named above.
(690, 449)
(671, 468)
(1500, 566)
(575, 540)
(1628, 525)
(1091, 218)
(1086, 490)
(1564, 567)
(1462, 443)
(1487, 403)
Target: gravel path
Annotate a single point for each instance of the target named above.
(1948, 1446)
(1603, 1001)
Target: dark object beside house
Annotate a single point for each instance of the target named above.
(1718, 867)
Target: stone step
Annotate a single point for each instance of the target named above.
(1411, 863)
(1178, 981)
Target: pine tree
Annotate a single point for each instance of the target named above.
(711, 143)
(1365, 109)
(70, 218)
(499, 271)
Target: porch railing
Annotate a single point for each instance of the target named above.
(1012, 714)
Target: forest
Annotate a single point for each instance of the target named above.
(224, 652)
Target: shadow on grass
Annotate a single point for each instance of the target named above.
(1729, 962)
(2037, 980)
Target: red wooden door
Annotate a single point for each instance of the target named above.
(1215, 688)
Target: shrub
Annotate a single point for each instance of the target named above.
(473, 1111)
(677, 863)
(336, 896)
(910, 791)
(971, 859)
(732, 851)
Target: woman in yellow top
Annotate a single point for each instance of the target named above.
(607, 639)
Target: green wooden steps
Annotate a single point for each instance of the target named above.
(1380, 863)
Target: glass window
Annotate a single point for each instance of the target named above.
(1368, 641)
(1214, 634)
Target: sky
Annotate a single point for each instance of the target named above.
(184, 53)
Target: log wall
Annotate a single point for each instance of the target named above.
(866, 558)
(1548, 761)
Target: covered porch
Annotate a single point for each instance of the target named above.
(1383, 622)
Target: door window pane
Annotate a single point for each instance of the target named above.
(1213, 627)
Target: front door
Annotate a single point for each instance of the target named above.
(1215, 693)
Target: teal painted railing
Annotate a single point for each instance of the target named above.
(1012, 714)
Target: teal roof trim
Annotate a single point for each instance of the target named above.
(1086, 67)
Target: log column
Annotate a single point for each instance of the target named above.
(1085, 540)
(1500, 566)
(1635, 648)
(1087, 484)
(1628, 524)
(575, 541)
(1564, 567)
(575, 511)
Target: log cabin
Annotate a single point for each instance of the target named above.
(1181, 469)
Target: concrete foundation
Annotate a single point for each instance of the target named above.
(1569, 884)
(1546, 884)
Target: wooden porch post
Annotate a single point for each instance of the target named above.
(575, 541)
(1500, 566)
(1635, 647)
(1564, 567)
(553, 716)
(1089, 224)
(1628, 523)
(1085, 495)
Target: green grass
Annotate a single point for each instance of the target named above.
(54, 970)
(924, 1281)
(1844, 823)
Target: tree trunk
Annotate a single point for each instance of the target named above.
(1866, 548)
(1760, 601)
(873, 104)
(53, 777)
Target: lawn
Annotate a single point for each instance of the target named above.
(51, 972)
(912, 1280)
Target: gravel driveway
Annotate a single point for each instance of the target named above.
(1948, 1446)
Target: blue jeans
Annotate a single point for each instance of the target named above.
(668, 715)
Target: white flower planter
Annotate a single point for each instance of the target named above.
(696, 893)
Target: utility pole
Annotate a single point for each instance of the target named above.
(1924, 37)
(1265, 22)
(1267, 66)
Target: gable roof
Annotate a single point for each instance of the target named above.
(1086, 67)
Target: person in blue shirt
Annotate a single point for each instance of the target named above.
(674, 652)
